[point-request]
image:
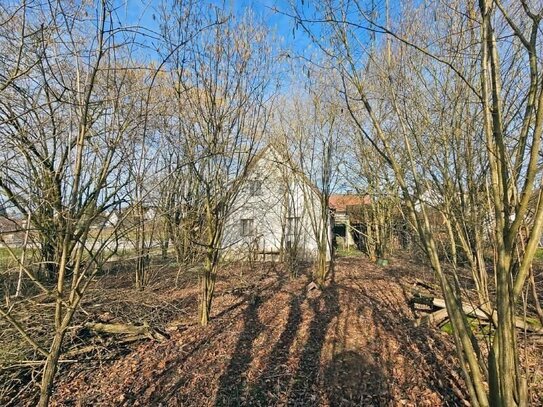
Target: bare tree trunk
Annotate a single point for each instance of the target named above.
(322, 266)
(50, 369)
(207, 289)
(23, 258)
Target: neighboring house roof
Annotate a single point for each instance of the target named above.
(340, 202)
(10, 226)
(12, 230)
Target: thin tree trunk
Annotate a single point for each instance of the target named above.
(207, 288)
(50, 369)
(23, 258)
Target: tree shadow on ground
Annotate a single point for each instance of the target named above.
(303, 391)
(274, 343)
(232, 386)
(170, 379)
(233, 382)
(422, 348)
(276, 381)
(354, 379)
(271, 380)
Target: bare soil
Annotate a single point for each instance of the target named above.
(273, 342)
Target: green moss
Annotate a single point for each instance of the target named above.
(447, 328)
(475, 324)
(7, 260)
(533, 322)
(5, 254)
(480, 329)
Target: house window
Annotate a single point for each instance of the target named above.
(293, 224)
(247, 227)
(255, 188)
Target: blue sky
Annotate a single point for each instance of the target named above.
(290, 41)
(145, 13)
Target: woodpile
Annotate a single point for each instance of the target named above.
(422, 300)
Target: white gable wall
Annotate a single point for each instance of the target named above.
(283, 194)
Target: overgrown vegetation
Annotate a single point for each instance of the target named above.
(128, 149)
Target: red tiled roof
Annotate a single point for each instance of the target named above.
(340, 202)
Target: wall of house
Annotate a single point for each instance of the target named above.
(282, 195)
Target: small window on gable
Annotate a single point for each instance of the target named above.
(255, 187)
(247, 227)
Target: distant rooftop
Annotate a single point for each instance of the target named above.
(340, 202)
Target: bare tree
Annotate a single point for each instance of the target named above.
(20, 34)
(225, 82)
(311, 131)
(509, 115)
(63, 135)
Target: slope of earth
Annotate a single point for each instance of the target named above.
(279, 343)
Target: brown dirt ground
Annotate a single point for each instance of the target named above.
(271, 342)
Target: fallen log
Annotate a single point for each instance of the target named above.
(30, 363)
(422, 302)
(435, 318)
(438, 317)
(126, 329)
(468, 309)
(91, 348)
(427, 286)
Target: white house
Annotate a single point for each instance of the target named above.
(277, 209)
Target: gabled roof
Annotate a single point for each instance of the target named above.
(285, 160)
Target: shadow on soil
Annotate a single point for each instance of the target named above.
(276, 384)
(233, 382)
(347, 381)
(305, 382)
(278, 344)
(423, 349)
